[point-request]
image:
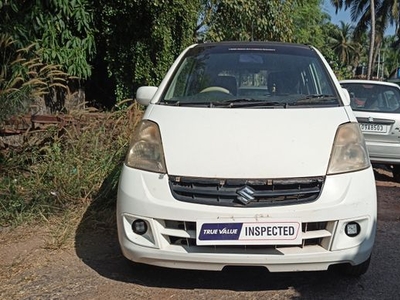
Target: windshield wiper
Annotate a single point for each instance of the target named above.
(232, 103)
(187, 103)
(316, 98)
(247, 102)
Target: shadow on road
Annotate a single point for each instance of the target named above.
(384, 174)
(97, 246)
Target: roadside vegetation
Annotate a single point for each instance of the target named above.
(59, 169)
(108, 48)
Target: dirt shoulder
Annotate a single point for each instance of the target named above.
(388, 191)
(89, 265)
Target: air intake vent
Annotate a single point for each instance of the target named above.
(264, 192)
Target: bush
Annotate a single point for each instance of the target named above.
(60, 168)
(23, 77)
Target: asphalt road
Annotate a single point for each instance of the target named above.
(382, 281)
(92, 267)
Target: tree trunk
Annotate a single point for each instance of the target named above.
(372, 41)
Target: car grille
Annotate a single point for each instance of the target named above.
(266, 192)
(315, 235)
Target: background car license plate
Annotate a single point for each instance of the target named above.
(249, 232)
(371, 127)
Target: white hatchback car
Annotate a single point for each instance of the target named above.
(376, 105)
(280, 179)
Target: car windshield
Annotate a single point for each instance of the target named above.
(261, 75)
(373, 97)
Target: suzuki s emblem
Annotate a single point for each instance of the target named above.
(245, 194)
(370, 119)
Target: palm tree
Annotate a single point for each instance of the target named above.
(391, 55)
(342, 44)
(374, 14)
(372, 40)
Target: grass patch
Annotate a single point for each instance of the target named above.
(61, 170)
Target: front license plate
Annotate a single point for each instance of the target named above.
(249, 232)
(370, 127)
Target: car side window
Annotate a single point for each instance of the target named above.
(392, 102)
(373, 97)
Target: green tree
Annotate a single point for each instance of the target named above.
(390, 56)
(62, 30)
(341, 42)
(250, 20)
(341, 71)
(140, 39)
(375, 15)
(308, 24)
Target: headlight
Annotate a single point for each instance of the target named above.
(349, 152)
(146, 150)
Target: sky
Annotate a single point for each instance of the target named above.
(344, 16)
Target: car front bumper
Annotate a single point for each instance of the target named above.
(171, 235)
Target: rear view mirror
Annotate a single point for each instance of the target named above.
(144, 94)
(251, 59)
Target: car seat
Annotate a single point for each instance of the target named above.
(227, 82)
(371, 103)
(282, 83)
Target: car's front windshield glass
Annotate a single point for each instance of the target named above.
(368, 96)
(251, 76)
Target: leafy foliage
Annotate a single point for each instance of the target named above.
(59, 169)
(250, 20)
(23, 77)
(141, 38)
(308, 24)
(62, 30)
(341, 70)
(342, 44)
(373, 16)
(390, 56)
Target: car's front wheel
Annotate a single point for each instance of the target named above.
(357, 270)
(396, 172)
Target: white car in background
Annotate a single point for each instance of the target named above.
(218, 177)
(376, 104)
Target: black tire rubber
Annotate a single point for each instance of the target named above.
(357, 270)
(396, 172)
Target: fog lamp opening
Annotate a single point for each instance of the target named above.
(353, 229)
(139, 227)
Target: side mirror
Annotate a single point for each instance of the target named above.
(144, 94)
(346, 98)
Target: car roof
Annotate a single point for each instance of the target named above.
(365, 81)
(252, 44)
(266, 47)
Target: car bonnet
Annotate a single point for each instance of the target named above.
(247, 143)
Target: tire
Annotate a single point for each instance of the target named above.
(357, 270)
(396, 172)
